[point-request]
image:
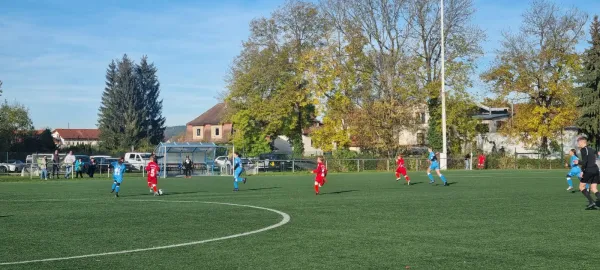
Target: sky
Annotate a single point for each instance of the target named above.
(54, 53)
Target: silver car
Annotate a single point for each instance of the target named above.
(12, 165)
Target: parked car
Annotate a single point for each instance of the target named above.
(107, 163)
(274, 162)
(99, 156)
(222, 161)
(12, 165)
(138, 160)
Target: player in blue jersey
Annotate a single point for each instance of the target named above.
(118, 171)
(237, 171)
(434, 165)
(574, 170)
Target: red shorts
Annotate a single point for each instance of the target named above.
(152, 182)
(401, 170)
(321, 181)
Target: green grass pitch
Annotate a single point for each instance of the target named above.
(484, 220)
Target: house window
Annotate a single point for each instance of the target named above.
(217, 131)
(199, 134)
(422, 118)
(420, 138)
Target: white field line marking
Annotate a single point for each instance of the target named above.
(285, 219)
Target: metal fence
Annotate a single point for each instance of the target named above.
(29, 167)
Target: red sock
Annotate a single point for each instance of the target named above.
(407, 178)
(397, 175)
(154, 188)
(317, 188)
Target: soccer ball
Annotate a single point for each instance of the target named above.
(160, 192)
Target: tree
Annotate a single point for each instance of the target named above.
(0, 87)
(462, 47)
(109, 121)
(131, 112)
(149, 85)
(134, 113)
(540, 64)
(589, 91)
(267, 85)
(15, 121)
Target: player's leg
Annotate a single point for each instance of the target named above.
(431, 179)
(569, 180)
(397, 174)
(405, 174)
(441, 176)
(594, 186)
(317, 186)
(154, 186)
(585, 192)
(118, 187)
(114, 186)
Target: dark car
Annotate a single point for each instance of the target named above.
(274, 162)
(107, 163)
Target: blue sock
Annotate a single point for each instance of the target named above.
(443, 178)
(587, 186)
(570, 182)
(430, 177)
(114, 185)
(235, 184)
(117, 188)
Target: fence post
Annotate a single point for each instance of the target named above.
(358, 165)
(388, 165)
(293, 165)
(326, 164)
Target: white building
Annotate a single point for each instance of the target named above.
(73, 137)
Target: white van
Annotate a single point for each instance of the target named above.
(96, 157)
(137, 160)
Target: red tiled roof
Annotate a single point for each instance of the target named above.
(85, 134)
(213, 116)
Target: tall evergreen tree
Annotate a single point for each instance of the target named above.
(589, 91)
(134, 111)
(150, 86)
(109, 122)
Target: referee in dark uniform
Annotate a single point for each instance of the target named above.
(590, 173)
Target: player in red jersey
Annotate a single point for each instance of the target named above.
(481, 163)
(401, 170)
(152, 170)
(321, 173)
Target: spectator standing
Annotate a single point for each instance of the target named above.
(79, 168)
(187, 167)
(92, 168)
(467, 161)
(55, 164)
(43, 163)
(69, 161)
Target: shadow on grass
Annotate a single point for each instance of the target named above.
(340, 192)
(414, 183)
(6, 216)
(257, 189)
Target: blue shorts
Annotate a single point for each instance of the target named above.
(434, 166)
(118, 180)
(575, 171)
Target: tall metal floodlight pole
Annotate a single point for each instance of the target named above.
(444, 140)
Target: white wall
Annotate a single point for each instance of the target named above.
(569, 141)
(283, 146)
